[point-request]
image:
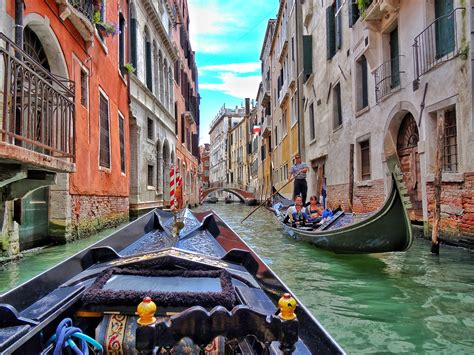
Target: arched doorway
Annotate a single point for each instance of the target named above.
(407, 150)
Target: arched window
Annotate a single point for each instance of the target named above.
(133, 38)
(170, 78)
(160, 69)
(148, 62)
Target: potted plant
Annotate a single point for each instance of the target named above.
(129, 68)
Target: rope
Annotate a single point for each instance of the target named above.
(63, 339)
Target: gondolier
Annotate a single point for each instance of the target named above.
(298, 171)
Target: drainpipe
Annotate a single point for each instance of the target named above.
(19, 5)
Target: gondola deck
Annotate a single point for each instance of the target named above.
(206, 265)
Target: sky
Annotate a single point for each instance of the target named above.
(227, 36)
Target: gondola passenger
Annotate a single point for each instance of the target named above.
(297, 214)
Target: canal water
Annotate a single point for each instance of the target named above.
(409, 302)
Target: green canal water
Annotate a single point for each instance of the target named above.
(409, 302)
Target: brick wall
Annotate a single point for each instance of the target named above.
(338, 194)
(457, 207)
(91, 214)
(369, 197)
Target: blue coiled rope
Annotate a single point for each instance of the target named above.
(63, 339)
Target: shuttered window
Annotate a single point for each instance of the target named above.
(362, 84)
(307, 56)
(444, 27)
(104, 159)
(122, 143)
(133, 42)
(330, 32)
(121, 43)
(337, 106)
(150, 175)
(312, 125)
(354, 12)
(338, 23)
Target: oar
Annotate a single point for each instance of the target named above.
(251, 213)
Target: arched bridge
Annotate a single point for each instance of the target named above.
(243, 192)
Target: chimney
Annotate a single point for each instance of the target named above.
(247, 106)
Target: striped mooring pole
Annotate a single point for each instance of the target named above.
(172, 187)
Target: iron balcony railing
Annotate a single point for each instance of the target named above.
(387, 78)
(437, 43)
(85, 7)
(38, 106)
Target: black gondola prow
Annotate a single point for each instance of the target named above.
(202, 327)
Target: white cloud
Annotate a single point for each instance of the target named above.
(211, 19)
(234, 67)
(236, 86)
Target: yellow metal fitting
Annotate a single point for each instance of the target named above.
(146, 311)
(287, 305)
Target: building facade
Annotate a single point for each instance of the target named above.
(82, 74)
(381, 83)
(238, 151)
(284, 94)
(204, 164)
(225, 120)
(186, 104)
(153, 124)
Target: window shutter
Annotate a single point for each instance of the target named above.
(133, 41)
(330, 33)
(444, 27)
(354, 12)
(365, 91)
(307, 56)
(338, 25)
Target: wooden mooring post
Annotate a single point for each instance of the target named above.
(438, 174)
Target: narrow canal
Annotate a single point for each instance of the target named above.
(390, 303)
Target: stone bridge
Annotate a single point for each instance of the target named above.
(243, 192)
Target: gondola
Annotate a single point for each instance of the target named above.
(161, 283)
(228, 199)
(212, 199)
(387, 230)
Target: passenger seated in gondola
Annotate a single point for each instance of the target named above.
(314, 210)
(296, 214)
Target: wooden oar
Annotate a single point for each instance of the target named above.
(290, 180)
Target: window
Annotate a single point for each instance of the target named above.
(333, 28)
(151, 174)
(394, 59)
(365, 160)
(206, 173)
(121, 43)
(337, 111)
(354, 12)
(444, 28)
(450, 153)
(276, 135)
(122, 143)
(362, 94)
(312, 126)
(307, 56)
(148, 62)
(293, 48)
(133, 40)
(84, 88)
(283, 123)
(104, 159)
(150, 129)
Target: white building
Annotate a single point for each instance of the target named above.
(152, 130)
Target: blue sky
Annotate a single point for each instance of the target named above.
(227, 36)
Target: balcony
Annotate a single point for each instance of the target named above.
(387, 78)
(37, 115)
(81, 15)
(378, 10)
(267, 126)
(437, 44)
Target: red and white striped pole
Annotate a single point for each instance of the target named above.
(172, 187)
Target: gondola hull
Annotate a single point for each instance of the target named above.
(387, 230)
(149, 248)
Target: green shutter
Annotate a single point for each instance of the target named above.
(338, 25)
(444, 27)
(330, 33)
(365, 90)
(133, 42)
(307, 56)
(394, 59)
(354, 12)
